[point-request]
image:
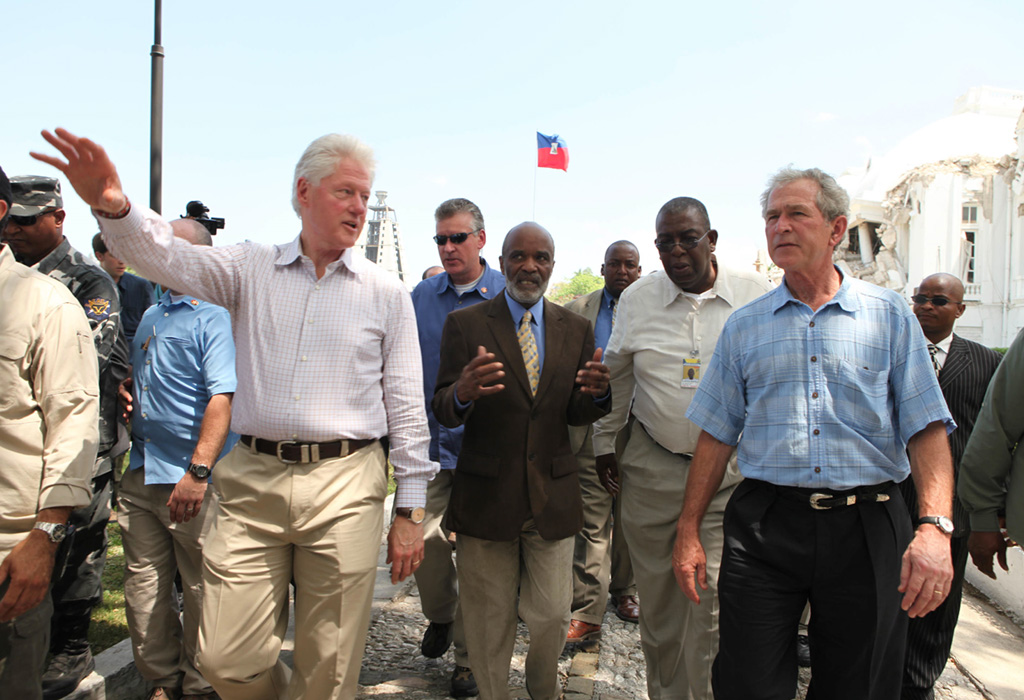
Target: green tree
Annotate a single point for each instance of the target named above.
(582, 282)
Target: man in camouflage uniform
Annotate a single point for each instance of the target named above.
(35, 235)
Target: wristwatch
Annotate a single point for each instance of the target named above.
(199, 471)
(414, 514)
(939, 521)
(55, 531)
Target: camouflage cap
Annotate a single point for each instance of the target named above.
(5, 187)
(34, 194)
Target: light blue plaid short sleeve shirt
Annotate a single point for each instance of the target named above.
(823, 399)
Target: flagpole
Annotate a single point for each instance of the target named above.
(534, 215)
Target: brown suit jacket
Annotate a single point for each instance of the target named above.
(516, 462)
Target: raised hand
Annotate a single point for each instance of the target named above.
(88, 169)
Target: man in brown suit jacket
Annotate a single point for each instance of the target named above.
(515, 500)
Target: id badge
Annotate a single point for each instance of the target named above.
(691, 372)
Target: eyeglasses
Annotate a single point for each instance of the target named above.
(936, 301)
(456, 238)
(27, 221)
(667, 245)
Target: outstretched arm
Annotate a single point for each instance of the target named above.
(88, 168)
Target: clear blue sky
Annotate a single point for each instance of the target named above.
(655, 100)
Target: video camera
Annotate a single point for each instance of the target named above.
(197, 210)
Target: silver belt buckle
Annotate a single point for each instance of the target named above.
(280, 457)
(818, 497)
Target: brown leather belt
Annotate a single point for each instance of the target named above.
(294, 452)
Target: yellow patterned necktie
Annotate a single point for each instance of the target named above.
(528, 345)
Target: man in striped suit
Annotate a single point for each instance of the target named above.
(964, 369)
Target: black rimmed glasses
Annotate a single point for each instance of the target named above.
(936, 301)
(667, 245)
(455, 238)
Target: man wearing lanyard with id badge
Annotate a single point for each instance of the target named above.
(668, 324)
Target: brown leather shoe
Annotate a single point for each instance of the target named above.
(627, 608)
(580, 631)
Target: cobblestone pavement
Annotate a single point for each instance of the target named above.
(394, 668)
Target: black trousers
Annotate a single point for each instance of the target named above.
(778, 555)
(930, 638)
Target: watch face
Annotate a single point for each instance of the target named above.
(946, 525)
(200, 471)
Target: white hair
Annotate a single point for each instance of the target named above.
(321, 158)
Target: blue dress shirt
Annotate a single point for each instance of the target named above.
(182, 355)
(826, 398)
(536, 323)
(136, 296)
(603, 324)
(433, 299)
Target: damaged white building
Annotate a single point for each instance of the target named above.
(949, 198)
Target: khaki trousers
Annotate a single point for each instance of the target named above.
(317, 524)
(600, 562)
(679, 639)
(490, 574)
(436, 577)
(164, 645)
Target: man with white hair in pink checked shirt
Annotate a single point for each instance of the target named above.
(327, 363)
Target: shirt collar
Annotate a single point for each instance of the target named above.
(722, 286)
(187, 301)
(517, 310)
(845, 297)
(449, 284)
(943, 344)
(288, 253)
(53, 258)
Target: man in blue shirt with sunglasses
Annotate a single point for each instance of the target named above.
(466, 280)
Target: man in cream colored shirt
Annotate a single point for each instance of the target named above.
(667, 327)
(49, 417)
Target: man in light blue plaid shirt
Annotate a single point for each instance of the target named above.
(825, 384)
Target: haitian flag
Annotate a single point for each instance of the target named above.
(552, 152)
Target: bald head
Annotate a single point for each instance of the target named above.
(192, 231)
(527, 258)
(938, 303)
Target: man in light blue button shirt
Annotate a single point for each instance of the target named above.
(183, 378)
(825, 384)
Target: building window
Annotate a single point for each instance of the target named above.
(969, 236)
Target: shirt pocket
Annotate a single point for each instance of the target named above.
(13, 378)
(860, 397)
(177, 357)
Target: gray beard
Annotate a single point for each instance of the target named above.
(522, 297)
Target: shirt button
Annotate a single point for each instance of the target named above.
(317, 287)
(145, 388)
(166, 314)
(311, 322)
(817, 470)
(295, 436)
(143, 415)
(303, 358)
(296, 397)
(816, 431)
(147, 362)
(814, 358)
(147, 439)
(812, 324)
(814, 395)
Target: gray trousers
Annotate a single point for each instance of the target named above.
(23, 644)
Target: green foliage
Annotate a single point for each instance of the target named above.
(109, 624)
(582, 282)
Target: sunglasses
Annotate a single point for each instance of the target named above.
(667, 245)
(936, 301)
(456, 238)
(27, 221)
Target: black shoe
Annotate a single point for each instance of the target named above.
(463, 683)
(437, 639)
(65, 672)
(803, 651)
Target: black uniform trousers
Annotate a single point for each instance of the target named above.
(780, 553)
